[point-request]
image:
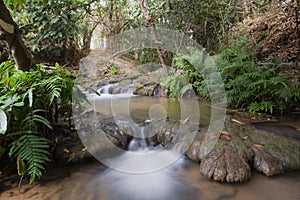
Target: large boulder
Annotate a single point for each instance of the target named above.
(240, 146)
(267, 163)
(226, 164)
(149, 85)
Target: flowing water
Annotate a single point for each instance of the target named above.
(182, 181)
(179, 181)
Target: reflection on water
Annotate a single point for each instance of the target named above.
(139, 107)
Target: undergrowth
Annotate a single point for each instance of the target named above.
(250, 85)
(258, 87)
(30, 103)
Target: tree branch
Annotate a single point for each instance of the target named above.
(9, 33)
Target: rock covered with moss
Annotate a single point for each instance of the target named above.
(240, 147)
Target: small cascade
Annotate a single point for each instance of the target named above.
(115, 89)
(107, 89)
(128, 89)
(144, 173)
(137, 144)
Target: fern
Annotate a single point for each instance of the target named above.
(33, 149)
(265, 106)
(51, 88)
(188, 75)
(30, 146)
(257, 87)
(29, 98)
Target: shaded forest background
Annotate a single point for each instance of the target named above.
(255, 43)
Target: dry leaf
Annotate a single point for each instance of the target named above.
(245, 138)
(225, 138)
(258, 145)
(225, 133)
(66, 150)
(237, 121)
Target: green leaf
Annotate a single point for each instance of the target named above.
(3, 122)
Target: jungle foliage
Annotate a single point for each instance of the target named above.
(60, 31)
(256, 86)
(55, 30)
(249, 84)
(30, 103)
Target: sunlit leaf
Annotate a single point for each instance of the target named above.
(3, 122)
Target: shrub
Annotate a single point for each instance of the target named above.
(29, 105)
(254, 86)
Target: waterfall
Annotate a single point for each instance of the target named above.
(128, 89)
(107, 89)
(111, 89)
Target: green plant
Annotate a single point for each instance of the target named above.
(30, 102)
(176, 85)
(55, 30)
(114, 69)
(30, 146)
(188, 76)
(257, 87)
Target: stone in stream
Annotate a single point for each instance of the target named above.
(230, 160)
(226, 164)
(97, 131)
(149, 85)
(267, 163)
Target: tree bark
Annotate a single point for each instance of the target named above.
(160, 52)
(150, 22)
(10, 34)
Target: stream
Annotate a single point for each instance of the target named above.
(180, 180)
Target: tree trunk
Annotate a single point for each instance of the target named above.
(160, 52)
(9, 32)
(150, 22)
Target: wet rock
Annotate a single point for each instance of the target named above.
(165, 136)
(149, 85)
(226, 164)
(240, 145)
(279, 147)
(125, 82)
(99, 133)
(116, 90)
(267, 163)
(193, 151)
(145, 89)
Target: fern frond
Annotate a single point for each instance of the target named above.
(34, 119)
(32, 149)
